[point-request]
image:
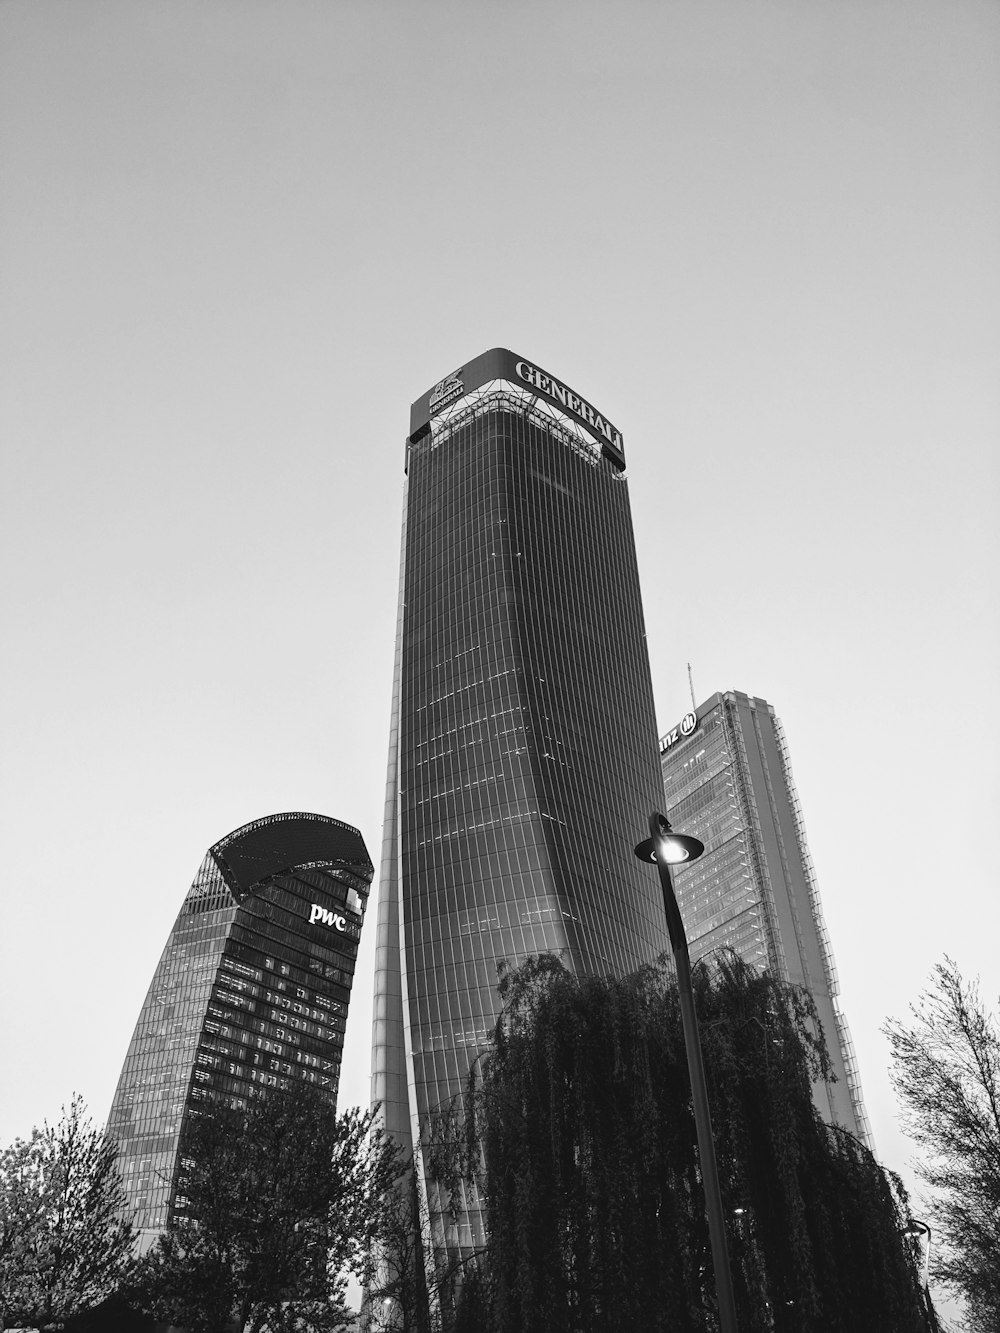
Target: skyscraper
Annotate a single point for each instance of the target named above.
(727, 780)
(523, 762)
(251, 991)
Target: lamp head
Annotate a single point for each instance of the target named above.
(672, 848)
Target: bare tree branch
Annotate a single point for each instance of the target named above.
(946, 1070)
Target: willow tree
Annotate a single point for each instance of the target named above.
(580, 1139)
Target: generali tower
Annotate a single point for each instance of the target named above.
(523, 758)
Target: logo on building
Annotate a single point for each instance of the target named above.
(327, 918)
(681, 732)
(446, 391)
(573, 403)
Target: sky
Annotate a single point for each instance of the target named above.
(238, 238)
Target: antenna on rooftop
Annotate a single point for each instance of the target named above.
(694, 702)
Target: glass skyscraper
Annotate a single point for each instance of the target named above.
(251, 992)
(727, 780)
(523, 755)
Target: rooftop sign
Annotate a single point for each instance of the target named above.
(500, 364)
(681, 732)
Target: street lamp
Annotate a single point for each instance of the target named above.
(665, 848)
(919, 1234)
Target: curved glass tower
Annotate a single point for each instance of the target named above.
(523, 757)
(251, 991)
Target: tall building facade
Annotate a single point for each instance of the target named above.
(251, 992)
(523, 759)
(727, 779)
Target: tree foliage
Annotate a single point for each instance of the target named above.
(283, 1199)
(579, 1137)
(946, 1070)
(63, 1241)
(394, 1280)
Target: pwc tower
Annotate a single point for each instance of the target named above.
(523, 756)
(251, 992)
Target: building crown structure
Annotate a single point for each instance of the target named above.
(251, 992)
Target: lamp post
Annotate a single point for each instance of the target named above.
(666, 848)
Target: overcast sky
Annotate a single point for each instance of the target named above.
(238, 238)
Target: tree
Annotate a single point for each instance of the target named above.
(946, 1070)
(579, 1138)
(280, 1200)
(394, 1279)
(63, 1241)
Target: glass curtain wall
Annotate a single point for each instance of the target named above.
(754, 891)
(251, 992)
(526, 765)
